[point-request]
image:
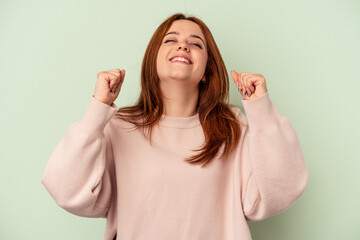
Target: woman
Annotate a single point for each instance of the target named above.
(182, 163)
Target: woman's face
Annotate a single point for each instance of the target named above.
(185, 40)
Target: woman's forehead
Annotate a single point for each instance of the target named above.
(185, 27)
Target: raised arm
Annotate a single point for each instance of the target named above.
(79, 174)
(273, 170)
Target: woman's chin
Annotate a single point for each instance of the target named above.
(179, 76)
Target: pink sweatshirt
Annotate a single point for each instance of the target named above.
(103, 168)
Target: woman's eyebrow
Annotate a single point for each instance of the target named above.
(192, 35)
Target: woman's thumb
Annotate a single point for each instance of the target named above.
(234, 75)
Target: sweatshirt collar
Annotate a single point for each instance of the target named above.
(179, 122)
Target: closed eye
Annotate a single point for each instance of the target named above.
(174, 41)
(198, 45)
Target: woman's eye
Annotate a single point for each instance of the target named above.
(198, 45)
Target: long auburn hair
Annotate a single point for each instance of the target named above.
(219, 123)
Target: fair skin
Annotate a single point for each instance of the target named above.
(250, 85)
(179, 81)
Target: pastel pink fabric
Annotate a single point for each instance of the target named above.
(102, 167)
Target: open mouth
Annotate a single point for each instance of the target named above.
(181, 60)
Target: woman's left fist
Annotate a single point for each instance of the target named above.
(250, 85)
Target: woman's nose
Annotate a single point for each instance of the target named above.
(183, 46)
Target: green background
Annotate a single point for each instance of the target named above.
(308, 52)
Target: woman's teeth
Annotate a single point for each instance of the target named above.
(180, 59)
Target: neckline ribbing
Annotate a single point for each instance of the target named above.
(179, 122)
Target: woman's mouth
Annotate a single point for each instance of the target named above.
(181, 60)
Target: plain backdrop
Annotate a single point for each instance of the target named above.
(308, 52)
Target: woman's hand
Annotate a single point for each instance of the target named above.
(250, 85)
(108, 85)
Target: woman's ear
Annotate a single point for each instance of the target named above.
(203, 79)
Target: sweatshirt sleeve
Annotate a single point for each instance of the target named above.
(79, 174)
(273, 170)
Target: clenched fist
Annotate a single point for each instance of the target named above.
(250, 85)
(108, 85)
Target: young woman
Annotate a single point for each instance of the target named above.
(182, 163)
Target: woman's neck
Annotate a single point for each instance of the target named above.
(180, 101)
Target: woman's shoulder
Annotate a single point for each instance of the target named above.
(121, 121)
(238, 113)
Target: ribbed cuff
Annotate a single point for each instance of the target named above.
(261, 113)
(97, 115)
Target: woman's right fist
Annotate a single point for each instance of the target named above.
(108, 85)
